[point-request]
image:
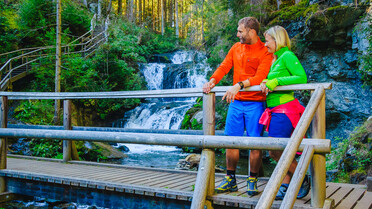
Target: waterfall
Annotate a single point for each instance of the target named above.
(181, 69)
(187, 69)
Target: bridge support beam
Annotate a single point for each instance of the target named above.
(318, 163)
(3, 124)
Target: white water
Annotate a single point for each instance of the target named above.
(165, 113)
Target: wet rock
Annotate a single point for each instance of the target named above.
(65, 206)
(123, 148)
(106, 150)
(331, 175)
(191, 162)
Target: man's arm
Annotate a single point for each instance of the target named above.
(221, 71)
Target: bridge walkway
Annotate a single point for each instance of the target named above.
(164, 183)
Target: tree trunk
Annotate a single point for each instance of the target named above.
(140, 12)
(119, 7)
(131, 10)
(152, 15)
(85, 2)
(176, 8)
(162, 17)
(109, 8)
(57, 105)
(99, 10)
(278, 3)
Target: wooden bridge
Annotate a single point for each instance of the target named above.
(197, 187)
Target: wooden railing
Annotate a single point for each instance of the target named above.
(314, 150)
(18, 63)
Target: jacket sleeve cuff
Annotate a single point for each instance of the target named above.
(271, 84)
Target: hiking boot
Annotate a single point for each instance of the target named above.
(252, 186)
(227, 185)
(305, 188)
(282, 191)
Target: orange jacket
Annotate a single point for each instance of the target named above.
(250, 62)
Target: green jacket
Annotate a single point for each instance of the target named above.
(286, 70)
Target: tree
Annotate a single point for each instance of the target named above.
(119, 7)
(99, 9)
(57, 105)
(162, 17)
(176, 8)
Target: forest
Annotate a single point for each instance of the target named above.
(330, 35)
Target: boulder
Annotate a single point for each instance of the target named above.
(332, 25)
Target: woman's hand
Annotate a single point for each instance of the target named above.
(231, 92)
(264, 88)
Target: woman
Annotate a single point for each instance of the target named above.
(284, 111)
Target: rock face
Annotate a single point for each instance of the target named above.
(331, 55)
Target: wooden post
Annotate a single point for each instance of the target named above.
(4, 122)
(204, 184)
(203, 180)
(67, 126)
(209, 123)
(297, 178)
(318, 163)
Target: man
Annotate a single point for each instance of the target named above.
(251, 62)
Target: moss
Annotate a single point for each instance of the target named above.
(337, 7)
(294, 12)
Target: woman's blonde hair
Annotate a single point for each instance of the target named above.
(280, 35)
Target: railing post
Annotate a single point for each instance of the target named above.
(4, 122)
(318, 163)
(209, 124)
(67, 126)
(204, 184)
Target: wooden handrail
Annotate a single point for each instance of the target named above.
(186, 92)
(203, 141)
(289, 152)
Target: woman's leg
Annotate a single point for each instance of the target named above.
(276, 156)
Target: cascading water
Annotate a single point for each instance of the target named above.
(181, 69)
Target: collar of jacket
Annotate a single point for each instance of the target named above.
(281, 51)
(257, 45)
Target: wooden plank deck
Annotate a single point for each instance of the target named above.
(171, 184)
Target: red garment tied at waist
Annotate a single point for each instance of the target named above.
(293, 110)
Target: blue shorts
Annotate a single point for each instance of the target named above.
(280, 126)
(244, 115)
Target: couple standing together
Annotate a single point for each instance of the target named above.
(266, 64)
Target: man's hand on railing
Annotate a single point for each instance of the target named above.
(230, 93)
(209, 85)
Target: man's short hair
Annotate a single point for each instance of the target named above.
(250, 23)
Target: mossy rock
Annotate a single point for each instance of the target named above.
(332, 24)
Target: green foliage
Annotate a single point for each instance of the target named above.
(365, 58)
(37, 21)
(8, 28)
(352, 155)
(46, 148)
(35, 112)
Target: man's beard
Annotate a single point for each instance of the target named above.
(245, 40)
